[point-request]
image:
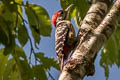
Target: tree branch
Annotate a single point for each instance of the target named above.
(92, 39)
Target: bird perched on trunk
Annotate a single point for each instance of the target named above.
(65, 38)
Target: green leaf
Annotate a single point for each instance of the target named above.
(25, 70)
(111, 50)
(2, 9)
(18, 1)
(43, 20)
(9, 5)
(39, 72)
(17, 70)
(15, 75)
(3, 61)
(36, 35)
(20, 54)
(9, 69)
(10, 47)
(66, 3)
(73, 13)
(47, 62)
(4, 35)
(9, 16)
(7, 37)
(78, 20)
(78, 11)
(22, 35)
(38, 19)
(81, 5)
(23, 67)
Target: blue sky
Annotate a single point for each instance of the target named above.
(47, 45)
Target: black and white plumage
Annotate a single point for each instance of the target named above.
(64, 35)
(60, 36)
(64, 40)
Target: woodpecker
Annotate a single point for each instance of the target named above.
(65, 38)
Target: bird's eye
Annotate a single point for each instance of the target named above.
(62, 12)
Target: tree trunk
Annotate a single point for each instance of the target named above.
(93, 33)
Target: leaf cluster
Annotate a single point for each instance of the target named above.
(15, 32)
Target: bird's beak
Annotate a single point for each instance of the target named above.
(68, 10)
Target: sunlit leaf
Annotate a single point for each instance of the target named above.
(2, 9)
(42, 19)
(39, 72)
(81, 5)
(73, 13)
(38, 20)
(78, 11)
(78, 20)
(3, 61)
(9, 69)
(66, 3)
(9, 15)
(18, 1)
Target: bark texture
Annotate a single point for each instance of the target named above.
(93, 33)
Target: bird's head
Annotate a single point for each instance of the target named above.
(61, 15)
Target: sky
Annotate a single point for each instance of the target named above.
(47, 45)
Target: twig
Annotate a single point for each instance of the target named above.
(32, 49)
(22, 4)
(23, 20)
(50, 75)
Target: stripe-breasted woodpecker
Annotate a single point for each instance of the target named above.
(64, 35)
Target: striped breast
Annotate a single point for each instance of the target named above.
(61, 33)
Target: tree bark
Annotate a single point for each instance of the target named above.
(93, 33)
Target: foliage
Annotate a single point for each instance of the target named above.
(14, 35)
(79, 10)
(111, 52)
